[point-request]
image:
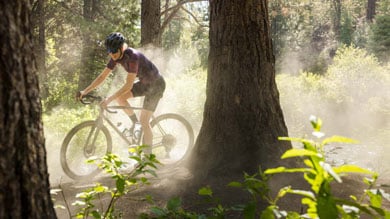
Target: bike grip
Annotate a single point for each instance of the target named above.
(111, 111)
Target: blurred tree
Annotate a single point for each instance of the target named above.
(38, 24)
(88, 43)
(24, 179)
(380, 38)
(242, 117)
(150, 23)
(337, 5)
(371, 6)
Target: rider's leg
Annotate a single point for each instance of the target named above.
(122, 101)
(148, 135)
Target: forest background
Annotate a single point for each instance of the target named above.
(332, 61)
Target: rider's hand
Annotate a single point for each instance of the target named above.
(79, 95)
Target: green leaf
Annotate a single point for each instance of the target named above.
(100, 188)
(96, 214)
(328, 168)
(338, 139)
(300, 152)
(235, 184)
(268, 213)
(285, 170)
(302, 140)
(316, 123)
(120, 185)
(250, 211)
(375, 197)
(351, 169)
(205, 191)
(157, 211)
(174, 204)
(308, 194)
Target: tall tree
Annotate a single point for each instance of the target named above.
(39, 16)
(242, 117)
(371, 6)
(24, 180)
(88, 52)
(150, 23)
(336, 17)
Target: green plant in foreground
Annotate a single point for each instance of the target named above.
(320, 201)
(124, 183)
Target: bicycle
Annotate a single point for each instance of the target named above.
(173, 138)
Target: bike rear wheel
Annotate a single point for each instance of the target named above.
(84, 141)
(173, 138)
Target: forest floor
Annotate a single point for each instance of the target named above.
(175, 181)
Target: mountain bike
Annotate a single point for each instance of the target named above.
(173, 138)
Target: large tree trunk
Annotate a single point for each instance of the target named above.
(242, 117)
(150, 23)
(24, 180)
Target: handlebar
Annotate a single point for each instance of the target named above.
(89, 99)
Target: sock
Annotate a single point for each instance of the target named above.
(133, 118)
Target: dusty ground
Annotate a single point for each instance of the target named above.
(174, 182)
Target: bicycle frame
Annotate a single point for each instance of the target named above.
(102, 117)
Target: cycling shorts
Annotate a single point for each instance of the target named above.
(153, 92)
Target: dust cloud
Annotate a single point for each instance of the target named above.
(352, 100)
(358, 119)
(172, 65)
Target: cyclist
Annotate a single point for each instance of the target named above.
(151, 84)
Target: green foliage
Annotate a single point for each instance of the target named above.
(61, 120)
(352, 91)
(124, 183)
(380, 37)
(320, 201)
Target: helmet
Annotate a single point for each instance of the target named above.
(114, 41)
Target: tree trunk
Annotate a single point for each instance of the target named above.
(371, 7)
(150, 23)
(24, 180)
(41, 47)
(242, 117)
(87, 73)
(337, 18)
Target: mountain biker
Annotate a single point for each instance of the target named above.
(151, 84)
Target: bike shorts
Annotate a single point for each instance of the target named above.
(153, 92)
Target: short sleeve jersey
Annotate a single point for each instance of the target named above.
(134, 61)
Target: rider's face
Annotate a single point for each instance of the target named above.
(116, 55)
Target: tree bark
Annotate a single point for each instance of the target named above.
(150, 23)
(87, 73)
(371, 7)
(242, 117)
(337, 18)
(24, 180)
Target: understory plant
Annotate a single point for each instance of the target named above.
(124, 183)
(320, 201)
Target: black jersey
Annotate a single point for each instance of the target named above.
(134, 61)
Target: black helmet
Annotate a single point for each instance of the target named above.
(114, 41)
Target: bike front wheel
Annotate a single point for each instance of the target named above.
(173, 138)
(83, 142)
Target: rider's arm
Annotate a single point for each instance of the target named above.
(99, 80)
(125, 88)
